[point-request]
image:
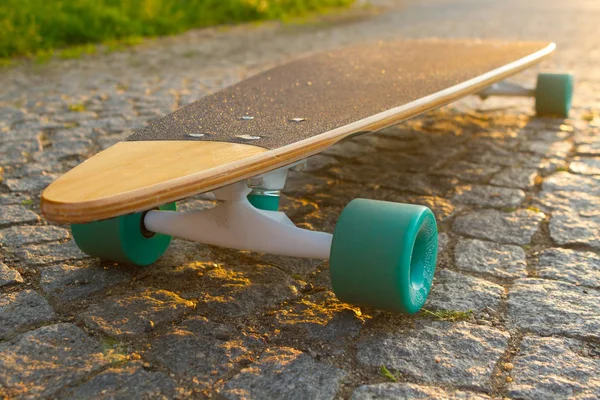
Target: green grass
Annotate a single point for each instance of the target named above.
(386, 373)
(36, 27)
(77, 107)
(77, 51)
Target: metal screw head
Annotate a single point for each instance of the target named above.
(254, 182)
(298, 119)
(248, 137)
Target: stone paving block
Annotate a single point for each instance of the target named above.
(308, 185)
(470, 172)
(441, 352)
(409, 391)
(181, 266)
(183, 253)
(351, 149)
(418, 183)
(19, 310)
(320, 316)
(9, 276)
(16, 214)
(242, 290)
(50, 253)
(318, 162)
(322, 279)
(67, 283)
(17, 236)
(587, 136)
(324, 219)
(75, 116)
(566, 182)
(554, 308)
(18, 152)
(135, 314)
(30, 184)
(443, 241)
(547, 148)
(442, 208)
(515, 177)
(200, 351)
(11, 114)
(39, 363)
(341, 193)
(494, 143)
(499, 260)
(572, 228)
(453, 291)
(33, 169)
(291, 265)
(65, 149)
(30, 123)
(504, 159)
(537, 137)
(129, 381)
(553, 368)
(578, 267)
(567, 201)
(395, 178)
(589, 149)
(284, 373)
(70, 132)
(585, 166)
(46, 124)
(488, 196)
(12, 198)
(420, 159)
(516, 227)
(111, 124)
(551, 165)
(396, 139)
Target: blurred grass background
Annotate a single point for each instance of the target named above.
(33, 27)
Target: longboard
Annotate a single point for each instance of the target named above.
(278, 117)
(240, 142)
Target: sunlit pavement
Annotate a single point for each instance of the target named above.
(515, 309)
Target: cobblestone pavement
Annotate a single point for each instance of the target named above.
(516, 199)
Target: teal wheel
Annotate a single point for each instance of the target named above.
(383, 255)
(123, 239)
(553, 94)
(265, 200)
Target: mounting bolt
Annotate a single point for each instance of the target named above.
(254, 182)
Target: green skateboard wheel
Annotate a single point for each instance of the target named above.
(122, 239)
(553, 94)
(383, 255)
(264, 201)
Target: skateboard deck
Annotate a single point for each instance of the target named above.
(278, 117)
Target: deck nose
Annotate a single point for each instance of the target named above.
(134, 176)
